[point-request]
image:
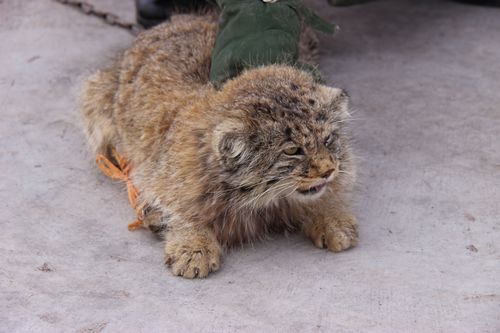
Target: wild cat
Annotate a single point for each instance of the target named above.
(267, 152)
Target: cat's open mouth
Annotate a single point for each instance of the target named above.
(313, 189)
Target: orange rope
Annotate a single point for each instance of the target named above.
(122, 173)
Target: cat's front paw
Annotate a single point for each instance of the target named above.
(337, 234)
(192, 257)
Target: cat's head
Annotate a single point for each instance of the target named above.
(283, 136)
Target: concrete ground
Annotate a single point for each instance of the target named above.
(424, 77)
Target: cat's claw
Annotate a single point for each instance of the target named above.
(195, 265)
(192, 261)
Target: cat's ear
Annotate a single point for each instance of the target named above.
(336, 100)
(228, 143)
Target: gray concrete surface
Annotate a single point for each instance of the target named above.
(424, 77)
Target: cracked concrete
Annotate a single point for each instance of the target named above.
(424, 81)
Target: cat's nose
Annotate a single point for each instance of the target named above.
(327, 173)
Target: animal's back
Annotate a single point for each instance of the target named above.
(165, 70)
(176, 53)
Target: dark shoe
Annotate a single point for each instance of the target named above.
(493, 3)
(152, 12)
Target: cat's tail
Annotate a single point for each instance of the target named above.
(97, 107)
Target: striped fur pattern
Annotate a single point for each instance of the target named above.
(267, 152)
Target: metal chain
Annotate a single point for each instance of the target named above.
(108, 18)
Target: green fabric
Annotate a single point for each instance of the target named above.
(254, 33)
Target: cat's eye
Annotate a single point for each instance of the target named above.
(292, 150)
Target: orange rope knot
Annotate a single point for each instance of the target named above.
(122, 173)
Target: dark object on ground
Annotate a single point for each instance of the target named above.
(153, 12)
(45, 268)
(495, 3)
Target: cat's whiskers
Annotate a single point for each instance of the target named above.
(346, 172)
(347, 120)
(224, 218)
(249, 227)
(242, 186)
(278, 188)
(293, 187)
(252, 201)
(292, 191)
